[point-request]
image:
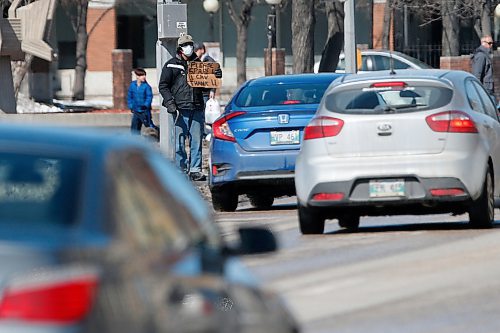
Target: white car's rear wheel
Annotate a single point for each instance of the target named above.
(482, 210)
(349, 222)
(310, 221)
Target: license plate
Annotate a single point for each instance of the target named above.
(387, 188)
(285, 137)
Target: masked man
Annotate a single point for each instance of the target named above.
(185, 103)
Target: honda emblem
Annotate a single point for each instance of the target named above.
(283, 118)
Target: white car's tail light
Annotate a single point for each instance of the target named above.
(451, 121)
(328, 196)
(221, 130)
(322, 127)
(53, 299)
(447, 192)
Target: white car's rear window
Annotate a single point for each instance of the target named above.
(382, 97)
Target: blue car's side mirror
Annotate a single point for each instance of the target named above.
(254, 240)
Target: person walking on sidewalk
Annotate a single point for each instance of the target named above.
(482, 65)
(185, 104)
(139, 98)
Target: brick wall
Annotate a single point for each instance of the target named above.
(378, 25)
(456, 63)
(496, 71)
(101, 25)
(463, 63)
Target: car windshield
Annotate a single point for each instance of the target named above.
(38, 189)
(383, 98)
(281, 94)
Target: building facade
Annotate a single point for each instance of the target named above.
(132, 24)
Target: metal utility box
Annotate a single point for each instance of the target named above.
(172, 20)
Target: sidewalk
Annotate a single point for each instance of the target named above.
(97, 118)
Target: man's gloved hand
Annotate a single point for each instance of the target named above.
(171, 107)
(218, 73)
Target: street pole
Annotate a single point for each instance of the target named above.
(172, 21)
(211, 27)
(271, 39)
(351, 65)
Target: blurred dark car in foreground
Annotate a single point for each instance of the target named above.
(99, 233)
(257, 138)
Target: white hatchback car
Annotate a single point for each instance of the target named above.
(412, 142)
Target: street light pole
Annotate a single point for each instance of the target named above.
(349, 37)
(211, 6)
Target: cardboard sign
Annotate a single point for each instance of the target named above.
(201, 74)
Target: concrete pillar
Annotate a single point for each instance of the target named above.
(40, 81)
(378, 25)
(277, 61)
(7, 99)
(122, 76)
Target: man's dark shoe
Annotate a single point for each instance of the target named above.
(197, 176)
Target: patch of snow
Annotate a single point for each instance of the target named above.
(26, 105)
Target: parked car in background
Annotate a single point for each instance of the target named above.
(257, 138)
(414, 142)
(380, 60)
(99, 233)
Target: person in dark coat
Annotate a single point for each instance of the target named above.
(482, 66)
(139, 98)
(185, 104)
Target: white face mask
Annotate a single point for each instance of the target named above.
(187, 50)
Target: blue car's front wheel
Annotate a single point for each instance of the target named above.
(261, 201)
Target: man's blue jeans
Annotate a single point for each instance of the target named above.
(189, 125)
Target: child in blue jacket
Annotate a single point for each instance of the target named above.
(139, 98)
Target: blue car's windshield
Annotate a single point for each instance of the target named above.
(39, 189)
(282, 94)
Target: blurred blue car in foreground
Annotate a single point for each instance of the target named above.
(99, 233)
(257, 138)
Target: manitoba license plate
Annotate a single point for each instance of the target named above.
(387, 188)
(285, 137)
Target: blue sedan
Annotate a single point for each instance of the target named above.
(100, 233)
(257, 138)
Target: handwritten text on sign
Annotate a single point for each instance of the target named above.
(201, 74)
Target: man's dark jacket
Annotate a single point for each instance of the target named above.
(173, 85)
(482, 68)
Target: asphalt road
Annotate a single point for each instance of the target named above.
(397, 274)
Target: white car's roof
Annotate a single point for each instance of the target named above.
(405, 74)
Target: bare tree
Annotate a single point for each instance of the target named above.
(77, 13)
(451, 13)
(451, 28)
(303, 23)
(482, 17)
(334, 11)
(241, 20)
(388, 10)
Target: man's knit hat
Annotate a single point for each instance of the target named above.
(183, 39)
